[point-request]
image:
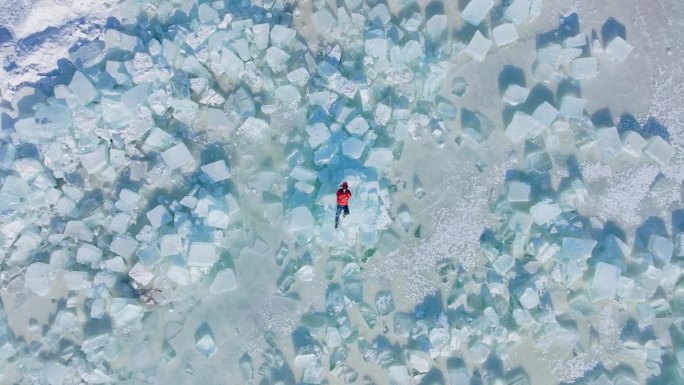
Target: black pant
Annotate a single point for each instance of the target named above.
(341, 208)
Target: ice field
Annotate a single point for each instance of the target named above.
(168, 173)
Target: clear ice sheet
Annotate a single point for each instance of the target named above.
(168, 203)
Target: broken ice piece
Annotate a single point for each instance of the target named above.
(384, 303)
(659, 150)
(515, 94)
(318, 134)
(82, 89)
(216, 171)
(159, 216)
(171, 244)
(202, 254)
(37, 278)
(478, 47)
(661, 248)
(521, 126)
(224, 281)
(505, 34)
(545, 114)
(380, 158)
(618, 49)
(357, 126)
(436, 26)
(572, 107)
(204, 341)
(518, 191)
(177, 156)
(123, 245)
(604, 284)
(140, 274)
(300, 218)
(584, 68)
(529, 298)
(609, 142)
(544, 212)
(353, 148)
(633, 143)
(88, 254)
(518, 11)
(476, 11)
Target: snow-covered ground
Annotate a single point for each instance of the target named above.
(168, 171)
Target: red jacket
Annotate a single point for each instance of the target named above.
(343, 197)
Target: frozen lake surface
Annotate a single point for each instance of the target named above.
(168, 173)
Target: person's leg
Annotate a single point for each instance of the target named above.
(346, 210)
(337, 214)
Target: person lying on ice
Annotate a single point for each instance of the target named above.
(343, 195)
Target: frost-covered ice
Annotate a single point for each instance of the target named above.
(168, 178)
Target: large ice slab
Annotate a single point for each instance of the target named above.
(604, 284)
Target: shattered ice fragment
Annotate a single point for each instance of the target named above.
(303, 174)
(353, 148)
(576, 248)
(37, 278)
(479, 352)
(357, 126)
(300, 218)
(83, 90)
(318, 134)
(491, 317)
(604, 284)
(224, 281)
(420, 361)
(276, 59)
(661, 248)
(572, 107)
(94, 161)
(515, 94)
(177, 156)
(436, 26)
(204, 341)
(398, 375)
(305, 273)
(618, 49)
(253, 128)
(659, 150)
(202, 254)
(282, 36)
(159, 216)
(216, 171)
(544, 212)
(522, 126)
(584, 68)
(633, 143)
(76, 280)
(478, 47)
(288, 94)
(384, 303)
(380, 158)
(505, 34)
(140, 274)
(88, 254)
(171, 244)
(123, 245)
(545, 114)
(518, 12)
(504, 263)
(476, 11)
(609, 142)
(529, 298)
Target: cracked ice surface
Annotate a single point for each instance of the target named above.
(168, 173)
